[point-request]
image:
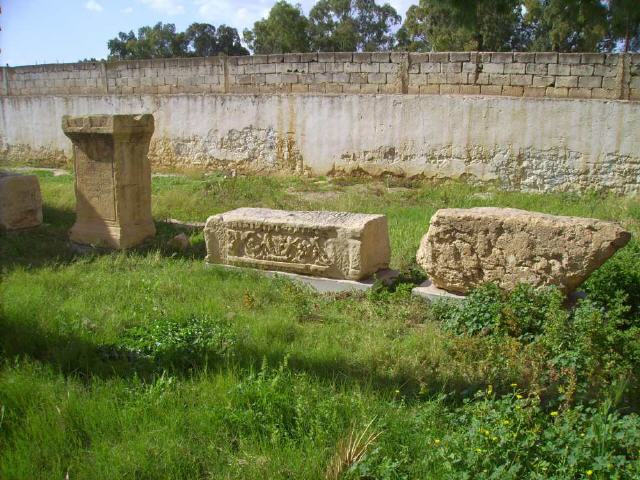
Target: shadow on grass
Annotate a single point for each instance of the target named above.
(49, 245)
(76, 356)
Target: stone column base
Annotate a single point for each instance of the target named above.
(109, 235)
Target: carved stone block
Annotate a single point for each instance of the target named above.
(465, 248)
(113, 179)
(20, 201)
(325, 244)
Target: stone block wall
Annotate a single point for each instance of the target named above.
(572, 75)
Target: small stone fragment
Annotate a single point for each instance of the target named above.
(339, 245)
(180, 242)
(20, 201)
(465, 248)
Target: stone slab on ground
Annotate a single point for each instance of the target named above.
(113, 179)
(321, 285)
(431, 293)
(340, 245)
(20, 201)
(465, 248)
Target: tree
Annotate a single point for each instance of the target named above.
(162, 41)
(352, 25)
(566, 25)
(285, 30)
(203, 40)
(494, 25)
(625, 23)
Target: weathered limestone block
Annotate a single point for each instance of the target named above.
(20, 201)
(465, 248)
(113, 179)
(326, 244)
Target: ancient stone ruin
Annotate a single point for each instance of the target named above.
(465, 248)
(20, 201)
(336, 245)
(113, 179)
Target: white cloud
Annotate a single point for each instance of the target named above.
(169, 7)
(127, 10)
(93, 6)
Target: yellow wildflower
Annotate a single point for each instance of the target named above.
(437, 441)
(554, 414)
(514, 385)
(519, 397)
(589, 473)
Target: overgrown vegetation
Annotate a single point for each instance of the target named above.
(145, 364)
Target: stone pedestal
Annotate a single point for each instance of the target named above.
(20, 201)
(113, 179)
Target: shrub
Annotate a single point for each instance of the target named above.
(168, 343)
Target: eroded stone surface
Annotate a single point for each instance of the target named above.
(465, 248)
(20, 201)
(326, 244)
(113, 179)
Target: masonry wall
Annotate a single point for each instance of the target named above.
(573, 75)
(531, 144)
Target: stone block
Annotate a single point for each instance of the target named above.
(459, 56)
(465, 248)
(377, 78)
(590, 82)
(495, 79)
(582, 70)
(493, 68)
(351, 67)
(470, 89)
(430, 89)
(388, 67)
(557, 92)
(512, 91)
(605, 70)
(491, 89)
(20, 201)
(439, 57)
(501, 57)
(449, 89)
(372, 67)
(537, 68)
(546, 57)
(521, 80)
(570, 81)
(326, 57)
(452, 67)
(534, 91)
(579, 93)
(364, 57)
(569, 58)
(430, 67)
(559, 69)
(592, 58)
(524, 57)
(380, 57)
(113, 179)
(326, 244)
(518, 68)
(543, 81)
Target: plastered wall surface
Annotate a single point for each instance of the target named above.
(531, 144)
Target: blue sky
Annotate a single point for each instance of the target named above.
(50, 31)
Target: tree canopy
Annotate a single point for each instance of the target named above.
(352, 25)
(429, 25)
(284, 30)
(162, 41)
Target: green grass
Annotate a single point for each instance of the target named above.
(145, 364)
